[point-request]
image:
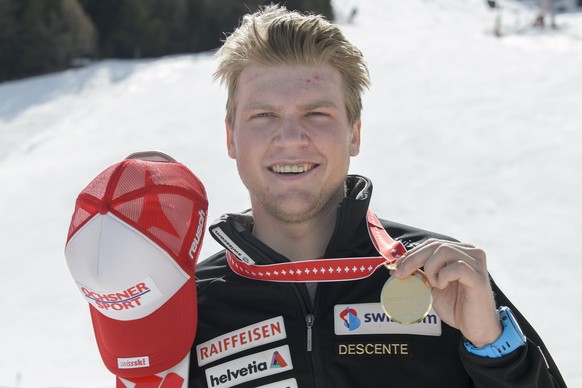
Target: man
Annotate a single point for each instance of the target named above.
(292, 125)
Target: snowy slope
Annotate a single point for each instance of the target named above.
(463, 133)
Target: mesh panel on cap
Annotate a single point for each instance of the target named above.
(148, 195)
(161, 200)
(98, 186)
(87, 204)
(80, 216)
(156, 214)
(137, 174)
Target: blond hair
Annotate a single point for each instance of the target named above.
(274, 36)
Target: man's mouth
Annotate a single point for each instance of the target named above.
(292, 168)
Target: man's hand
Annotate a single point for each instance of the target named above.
(460, 287)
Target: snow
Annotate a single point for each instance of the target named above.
(464, 133)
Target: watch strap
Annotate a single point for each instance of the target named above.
(511, 338)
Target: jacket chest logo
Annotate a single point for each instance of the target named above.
(248, 368)
(248, 337)
(369, 318)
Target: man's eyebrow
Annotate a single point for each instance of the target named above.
(258, 106)
(319, 104)
(308, 106)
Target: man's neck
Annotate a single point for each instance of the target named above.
(307, 240)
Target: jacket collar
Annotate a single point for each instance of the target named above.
(350, 237)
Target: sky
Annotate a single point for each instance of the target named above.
(463, 133)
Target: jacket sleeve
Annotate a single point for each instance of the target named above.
(529, 366)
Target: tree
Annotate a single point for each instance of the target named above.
(40, 36)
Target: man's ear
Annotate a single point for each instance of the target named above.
(230, 140)
(355, 138)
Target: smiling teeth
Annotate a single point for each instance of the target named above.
(292, 168)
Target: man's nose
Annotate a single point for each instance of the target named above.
(292, 132)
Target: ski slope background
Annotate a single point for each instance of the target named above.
(464, 133)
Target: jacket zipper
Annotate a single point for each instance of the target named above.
(309, 319)
(308, 309)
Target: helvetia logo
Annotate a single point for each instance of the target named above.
(250, 368)
(350, 318)
(277, 361)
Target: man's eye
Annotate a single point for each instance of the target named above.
(316, 113)
(262, 114)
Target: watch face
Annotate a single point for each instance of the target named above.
(408, 300)
(510, 325)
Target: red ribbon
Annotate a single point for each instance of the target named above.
(326, 270)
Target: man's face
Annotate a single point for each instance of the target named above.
(292, 139)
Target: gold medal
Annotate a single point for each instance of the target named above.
(408, 300)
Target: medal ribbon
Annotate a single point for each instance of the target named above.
(326, 270)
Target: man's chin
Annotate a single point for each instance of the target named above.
(294, 213)
(293, 217)
(300, 207)
(301, 211)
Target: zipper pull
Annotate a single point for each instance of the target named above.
(309, 320)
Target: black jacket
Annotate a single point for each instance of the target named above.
(253, 333)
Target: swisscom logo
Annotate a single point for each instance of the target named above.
(369, 318)
(250, 368)
(350, 318)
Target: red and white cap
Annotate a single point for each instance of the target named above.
(132, 247)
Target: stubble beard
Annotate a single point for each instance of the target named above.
(311, 206)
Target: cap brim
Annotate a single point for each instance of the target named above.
(164, 336)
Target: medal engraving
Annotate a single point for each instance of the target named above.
(407, 301)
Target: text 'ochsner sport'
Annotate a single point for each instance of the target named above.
(126, 299)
